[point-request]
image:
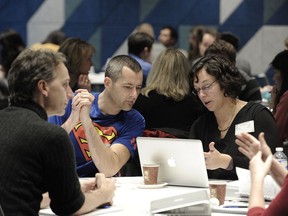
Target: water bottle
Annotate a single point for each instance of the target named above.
(281, 157)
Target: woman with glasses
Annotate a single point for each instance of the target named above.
(217, 83)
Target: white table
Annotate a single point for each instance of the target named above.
(131, 200)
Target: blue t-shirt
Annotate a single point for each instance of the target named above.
(122, 128)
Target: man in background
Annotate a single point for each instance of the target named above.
(169, 38)
(139, 47)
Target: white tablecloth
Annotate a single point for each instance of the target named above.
(131, 200)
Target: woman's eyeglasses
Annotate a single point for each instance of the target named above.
(204, 89)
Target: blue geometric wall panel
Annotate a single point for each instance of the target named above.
(107, 23)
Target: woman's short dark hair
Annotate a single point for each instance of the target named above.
(27, 69)
(226, 74)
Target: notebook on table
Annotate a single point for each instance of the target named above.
(181, 161)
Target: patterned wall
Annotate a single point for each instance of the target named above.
(262, 25)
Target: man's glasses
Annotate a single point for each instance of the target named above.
(204, 89)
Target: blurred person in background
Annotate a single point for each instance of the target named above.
(209, 36)
(279, 94)
(241, 63)
(195, 36)
(140, 45)
(250, 90)
(52, 41)
(11, 45)
(204, 38)
(169, 38)
(157, 46)
(79, 61)
(166, 101)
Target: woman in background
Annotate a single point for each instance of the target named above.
(79, 61)
(202, 37)
(166, 101)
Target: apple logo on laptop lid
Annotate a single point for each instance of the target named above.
(171, 162)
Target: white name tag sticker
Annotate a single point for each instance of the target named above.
(245, 127)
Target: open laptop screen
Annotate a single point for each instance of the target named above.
(181, 161)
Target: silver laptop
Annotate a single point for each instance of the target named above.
(181, 161)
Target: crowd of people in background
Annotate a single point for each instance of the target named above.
(156, 89)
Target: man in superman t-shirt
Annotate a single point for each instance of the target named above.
(103, 126)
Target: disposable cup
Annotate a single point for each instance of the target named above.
(218, 190)
(150, 174)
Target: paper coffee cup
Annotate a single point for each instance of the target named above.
(218, 190)
(150, 174)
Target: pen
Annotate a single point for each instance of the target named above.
(234, 206)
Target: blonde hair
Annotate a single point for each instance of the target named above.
(169, 75)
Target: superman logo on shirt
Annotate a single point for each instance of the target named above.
(107, 134)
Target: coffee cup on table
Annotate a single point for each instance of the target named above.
(218, 190)
(150, 173)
